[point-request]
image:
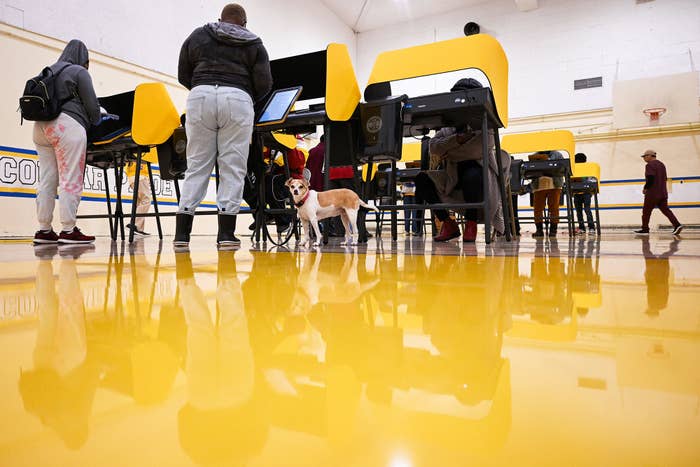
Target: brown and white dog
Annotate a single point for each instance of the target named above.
(313, 206)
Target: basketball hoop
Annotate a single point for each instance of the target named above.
(654, 113)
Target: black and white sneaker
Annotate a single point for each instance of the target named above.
(641, 232)
(137, 232)
(230, 240)
(678, 229)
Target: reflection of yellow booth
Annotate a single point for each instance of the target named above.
(544, 332)
(557, 140)
(481, 52)
(147, 118)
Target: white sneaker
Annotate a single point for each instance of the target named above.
(678, 229)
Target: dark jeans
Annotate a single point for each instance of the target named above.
(412, 217)
(470, 182)
(661, 203)
(582, 201)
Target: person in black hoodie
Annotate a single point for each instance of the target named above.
(61, 145)
(227, 69)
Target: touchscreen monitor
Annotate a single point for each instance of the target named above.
(278, 106)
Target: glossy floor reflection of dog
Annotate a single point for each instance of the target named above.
(327, 284)
(313, 206)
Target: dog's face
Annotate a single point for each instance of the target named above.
(297, 187)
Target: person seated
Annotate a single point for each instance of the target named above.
(458, 152)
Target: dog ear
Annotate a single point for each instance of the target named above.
(305, 182)
(289, 181)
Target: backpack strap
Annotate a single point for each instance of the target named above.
(72, 91)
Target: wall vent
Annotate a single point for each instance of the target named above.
(586, 83)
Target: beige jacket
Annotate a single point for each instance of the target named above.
(445, 147)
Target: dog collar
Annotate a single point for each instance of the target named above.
(303, 200)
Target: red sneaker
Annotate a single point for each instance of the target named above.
(75, 236)
(448, 231)
(45, 236)
(469, 235)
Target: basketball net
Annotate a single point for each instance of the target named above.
(654, 114)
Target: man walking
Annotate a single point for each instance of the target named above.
(655, 193)
(227, 69)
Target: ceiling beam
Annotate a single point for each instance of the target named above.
(359, 16)
(526, 5)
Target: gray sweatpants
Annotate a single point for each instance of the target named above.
(219, 127)
(61, 145)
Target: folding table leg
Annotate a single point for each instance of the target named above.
(112, 232)
(155, 200)
(135, 197)
(394, 213)
(485, 174)
(597, 213)
(569, 206)
(177, 190)
(119, 211)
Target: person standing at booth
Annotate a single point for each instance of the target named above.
(227, 70)
(61, 145)
(547, 190)
(656, 193)
(582, 202)
(143, 203)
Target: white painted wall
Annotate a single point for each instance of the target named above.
(150, 33)
(561, 41)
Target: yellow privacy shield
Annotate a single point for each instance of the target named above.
(479, 51)
(342, 91)
(155, 116)
(558, 140)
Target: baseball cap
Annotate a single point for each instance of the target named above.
(649, 152)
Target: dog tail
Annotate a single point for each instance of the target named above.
(368, 207)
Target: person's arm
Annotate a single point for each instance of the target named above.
(87, 95)
(184, 65)
(649, 179)
(262, 76)
(443, 141)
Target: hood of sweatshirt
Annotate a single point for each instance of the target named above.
(231, 33)
(75, 52)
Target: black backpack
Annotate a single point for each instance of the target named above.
(39, 101)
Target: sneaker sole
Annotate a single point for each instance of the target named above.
(641, 233)
(678, 231)
(74, 242)
(228, 243)
(181, 244)
(43, 242)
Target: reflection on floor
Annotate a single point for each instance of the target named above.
(552, 352)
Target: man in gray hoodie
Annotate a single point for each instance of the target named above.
(61, 146)
(227, 69)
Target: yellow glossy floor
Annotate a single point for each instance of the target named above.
(557, 352)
